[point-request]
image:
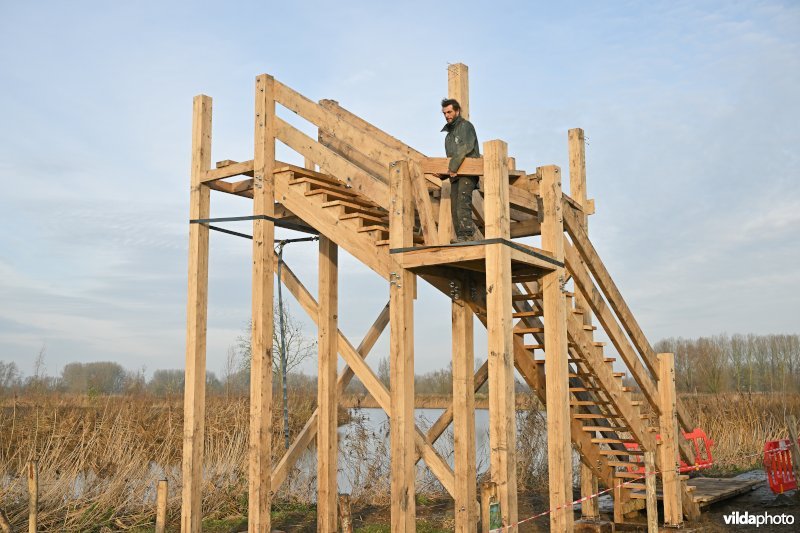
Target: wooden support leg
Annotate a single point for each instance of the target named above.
(196, 321)
(464, 419)
(502, 408)
(401, 323)
(327, 444)
(559, 446)
(668, 422)
(260, 469)
(650, 487)
(589, 508)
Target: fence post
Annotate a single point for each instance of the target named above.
(161, 506)
(345, 514)
(668, 422)
(33, 494)
(650, 488)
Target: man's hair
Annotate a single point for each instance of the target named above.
(451, 101)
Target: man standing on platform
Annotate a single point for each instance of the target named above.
(461, 142)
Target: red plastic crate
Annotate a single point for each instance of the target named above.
(778, 466)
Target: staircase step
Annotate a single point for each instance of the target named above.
(627, 475)
(612, 441)
(362, 216)
(522, 331)
(603, 428)
(318, 185)
(577, 311)
(318, 178)
(523, 314)
(620, 452)
(583, 389)
(332, 195)
(581, 416)
(636, 486)
(577, 403)
(600, 344)
(534, 347)
(620, 374)
(623, 464)
(589, 328)
(354, 207)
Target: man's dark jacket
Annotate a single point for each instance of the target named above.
(461, 142)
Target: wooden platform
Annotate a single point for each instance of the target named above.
(527, 263)
(708, 490)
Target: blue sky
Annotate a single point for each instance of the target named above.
(690, 109)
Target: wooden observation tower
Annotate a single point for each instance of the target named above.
(383, 202)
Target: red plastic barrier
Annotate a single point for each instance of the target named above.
(702, 451)
(778, 466)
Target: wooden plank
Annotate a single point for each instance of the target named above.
(401, 320)
(196, 321)
(33, 495)
(458, 86)
(331, 123)
(161, 506)
(650, 488)
(260, 467)
(422, 199)
(673, 512)
(502, 407)
(466, 515)
(559, 448)
(445, 214)
(228, 171)
(331, 163)
(592, 260)
(589, 508)
(373, 131)
(472, 166)
(327, 421)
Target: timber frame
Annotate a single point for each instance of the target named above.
(384, 203)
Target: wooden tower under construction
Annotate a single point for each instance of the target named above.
(384, 203)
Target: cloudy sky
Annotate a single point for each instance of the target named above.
(690, 109)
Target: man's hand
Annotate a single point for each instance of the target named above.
(453, 174)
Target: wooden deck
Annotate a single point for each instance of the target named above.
(709, 490)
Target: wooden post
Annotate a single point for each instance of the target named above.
(488, 497)
(577, 190)
(466, 514)
(559, 444)
(502, 408)
(458, 86)
(345, 514)
(650, 489)
(260, 447)
(327, 443)
(401, 321)
(33, 496)
(194, 398)
(794, 448)
(161, 506)
(668, 423)
(589, 486)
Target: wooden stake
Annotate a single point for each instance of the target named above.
(466, 513)
(327, 443)
(345, 514)
(260, 468)
(161, 506)
(668, 423)
(33, 496)
(196, 320)
(559, 446)
(458, 86)
(401, 321)
(650, 488)
(502, 408)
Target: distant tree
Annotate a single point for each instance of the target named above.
(10, 377)
(166, 382)
(298, 346)
(102, 377)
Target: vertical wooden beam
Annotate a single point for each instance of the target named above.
(488, 497)
(458, 86)
(466, 513)
(668, 423)
(194, 397)
(327, 444)
(33, 496)
(589, 486)
(161, 506)
(559, 447)
(401, 322)
(577, 190)
(650, 489)
(260, 446)
(502, 408)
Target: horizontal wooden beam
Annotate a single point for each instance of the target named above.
(472, 166)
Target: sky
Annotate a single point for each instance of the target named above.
(689, 107)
